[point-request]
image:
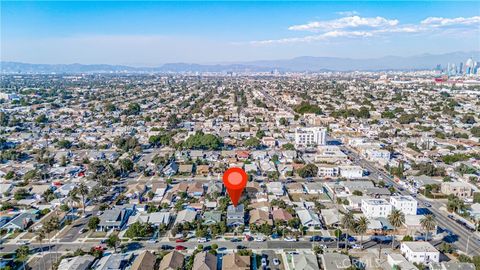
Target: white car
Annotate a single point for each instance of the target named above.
(152, 241)
(276, 261)
(259, 239)
(290, 239)
(202, 240)
(357, 246)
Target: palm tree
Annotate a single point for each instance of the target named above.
(428, 223)
(22, 253)
(82, 190)
(361, 228)
(41, 236)
(348, 223)
(396, 218)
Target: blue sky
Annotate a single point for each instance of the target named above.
(152, 33)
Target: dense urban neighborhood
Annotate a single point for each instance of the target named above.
(353, 170)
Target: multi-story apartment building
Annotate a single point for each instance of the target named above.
(375, 208)
(309, 136)
(406, 204)
(420, 252)
(459, 189)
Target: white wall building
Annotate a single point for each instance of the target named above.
(420, 252)
(406, 204)
(351, 172)
(307, 136)
(374, 208)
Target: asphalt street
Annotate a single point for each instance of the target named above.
(465, 238)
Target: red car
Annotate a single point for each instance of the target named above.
(99, 248)
(180, 248)
(180, 240)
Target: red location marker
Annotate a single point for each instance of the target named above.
(235, 180)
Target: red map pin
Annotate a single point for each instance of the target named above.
(235, 180)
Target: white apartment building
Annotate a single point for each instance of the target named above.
(406, 204)
(351, 172)
(420, 252)
(375, 208)
(307, 136)
(379, 155)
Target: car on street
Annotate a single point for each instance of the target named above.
(315, 238)
(180, 240)
(235, 240)
(427, 204)
(327, 239)
(83, 230)
(357, 246)
(202, 240)
(180, 248)
(99, 247)
(241, 247)
(276, 261)
(290, 239)
(152, 241)
(166, 247)
(259, 239)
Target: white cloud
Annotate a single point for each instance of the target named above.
(347, 13)
(460, 21)
(324, 36)
(359, 27)
(345, 22)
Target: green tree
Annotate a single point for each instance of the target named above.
(428, 224)
(309, 170)
(252, 143)
(348, 223)
(396, 218)
(21, 254)
(113, 241)
(93, 223)
(361, 227)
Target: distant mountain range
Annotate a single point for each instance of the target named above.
(298, 64)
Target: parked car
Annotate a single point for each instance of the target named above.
(290, 239)
(166, 247)
(264, 262)
(152, 241)
(235, 240)
(180, 240)
(259, 239)
(276, 261)
(202, 240)
(241, 247)
(315, 238)
(180, 248)
(357, 246)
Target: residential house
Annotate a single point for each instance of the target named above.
(144, 261)
(314, 187)
(205, 261)
(235, 215)
(308, 218)
(114, 261)
(233, 261)
(276, 188)
(20, 222)
(115, 218)
(259, 217)
(305, 261)
(186, 215)
(212, 217)
(335, 261)
(172, 261)
(77, 263)
(281, 214)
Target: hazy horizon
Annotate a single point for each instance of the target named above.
(154, 33)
